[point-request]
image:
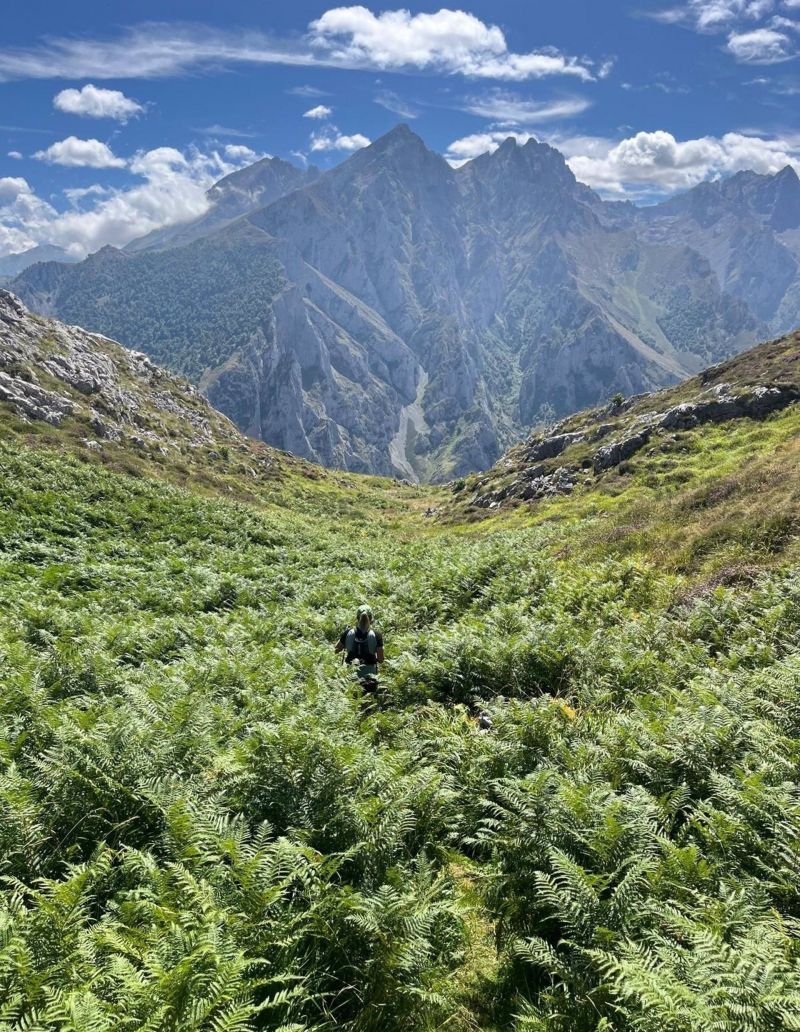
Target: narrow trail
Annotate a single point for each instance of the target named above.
(410, 415)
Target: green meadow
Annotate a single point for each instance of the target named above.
(205, 826)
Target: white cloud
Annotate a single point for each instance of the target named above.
(80, 153)
(647, 165)
(471, 146)
(224, 130)
(11, 187)
(390, 100)
(238, 152)
(320, 111)
(307, 91)
(76, 194)
(447, 41)
(715, 15)
(510, 109)
(20, 209)
(761, 46)
(655, 163)
(332, 140)
(748, 41)
(172, 188)
(15, 154)
(96, 102)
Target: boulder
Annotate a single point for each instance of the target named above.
(551, 446)
(619, 451)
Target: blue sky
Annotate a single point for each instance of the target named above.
(115, 119)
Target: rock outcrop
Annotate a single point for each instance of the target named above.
(557, 460)
(51, 373)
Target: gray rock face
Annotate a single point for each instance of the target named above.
(717, 404)
(50, 372)
(754, 404)
(531, 488)
(613, 454)
(552, 446)
(718, 407)
(509, 290)
(748, 228)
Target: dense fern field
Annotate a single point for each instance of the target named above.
(204, 826)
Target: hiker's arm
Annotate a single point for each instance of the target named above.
(379, 653)
(338, 647)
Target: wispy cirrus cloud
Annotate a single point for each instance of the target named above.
(450, 42)
(508, 108)
(307, 91)
(224, 130)
(392, 102)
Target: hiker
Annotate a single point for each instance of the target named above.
(363, 645)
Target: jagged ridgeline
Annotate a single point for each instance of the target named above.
(202, 824)
(398, 316)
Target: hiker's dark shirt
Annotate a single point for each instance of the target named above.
(360, 649)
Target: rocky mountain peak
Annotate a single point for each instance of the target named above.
(399, 148)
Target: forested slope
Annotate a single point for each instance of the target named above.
(203, 825)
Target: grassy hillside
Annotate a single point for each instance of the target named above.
(204, 826)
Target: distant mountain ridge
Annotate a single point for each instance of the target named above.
(396, 315)
(237, 194)
(14, 264)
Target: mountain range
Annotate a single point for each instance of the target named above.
(398, 315)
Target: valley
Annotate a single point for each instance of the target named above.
(206, 825)
(304, 301)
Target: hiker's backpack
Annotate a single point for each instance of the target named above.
(359, 648)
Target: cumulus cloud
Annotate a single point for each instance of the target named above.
(469, 147)
(15, 154)
(757, 32)
(320, 111)
(332, 140)
(761, 46)
(447, 41)
(76, 194)
(96, 102)
(171, 188)
(239, 153)
(80, 154)
(20, 210)
(657, 163)
(647, 165)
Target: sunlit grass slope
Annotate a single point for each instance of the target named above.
(203, 827)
